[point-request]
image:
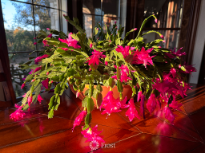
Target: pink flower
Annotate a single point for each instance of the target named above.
(35, 43)
(167, 87)
(151, 103)
(106, 62)
(139, 95)
(135, 29)
(37, 69)
(23, 85)
(29, 100)
(155, 20)
(186, 87)
(50, 35)
(45, 43)
(175, 105)
(70, 42)
(173, 53)
(162, 36)
(93, 136)
(173, 72)
(189, 69)
(65, 49)
(143, 57)
(94, 59)
(91, 45)
(39, 58)
(39, 98)
(123, 103)
(45, 83)
(47, 73)
(34, 38)
(18, 114)
(79, 119)
(31, 71)
(132, 112)
(48, 28)
(110, 104)
(170, 55)
(168, 114)
(24, 95)
(123, 50)
(124, 71)
(179, 53)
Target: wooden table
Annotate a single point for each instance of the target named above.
(38, 134)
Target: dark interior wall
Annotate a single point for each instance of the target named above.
(135, 15)
(77, 12)
(201, 79)
(188, 28)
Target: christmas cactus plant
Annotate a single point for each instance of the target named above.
(156, 75)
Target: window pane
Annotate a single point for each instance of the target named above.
(18, 24)
(64, 23)
(50, 3)
(17, 73)
(168, 13)
(29, 1)
(171, 38)
(45, 18)
(87, 20)
(114, 10)
(111, 7)
(92, 7)
(19, 29)
(110, 21)
(123, 15)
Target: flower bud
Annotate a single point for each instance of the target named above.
(77, 94)
(30, 100)
(68, 79)
(23, 85)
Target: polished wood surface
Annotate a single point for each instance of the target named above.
(38, 134)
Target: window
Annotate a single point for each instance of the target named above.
(169, 15)
(22, 21)
(103, 12)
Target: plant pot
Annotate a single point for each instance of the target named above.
(127, 91)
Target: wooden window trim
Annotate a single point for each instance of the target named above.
(5, 63)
